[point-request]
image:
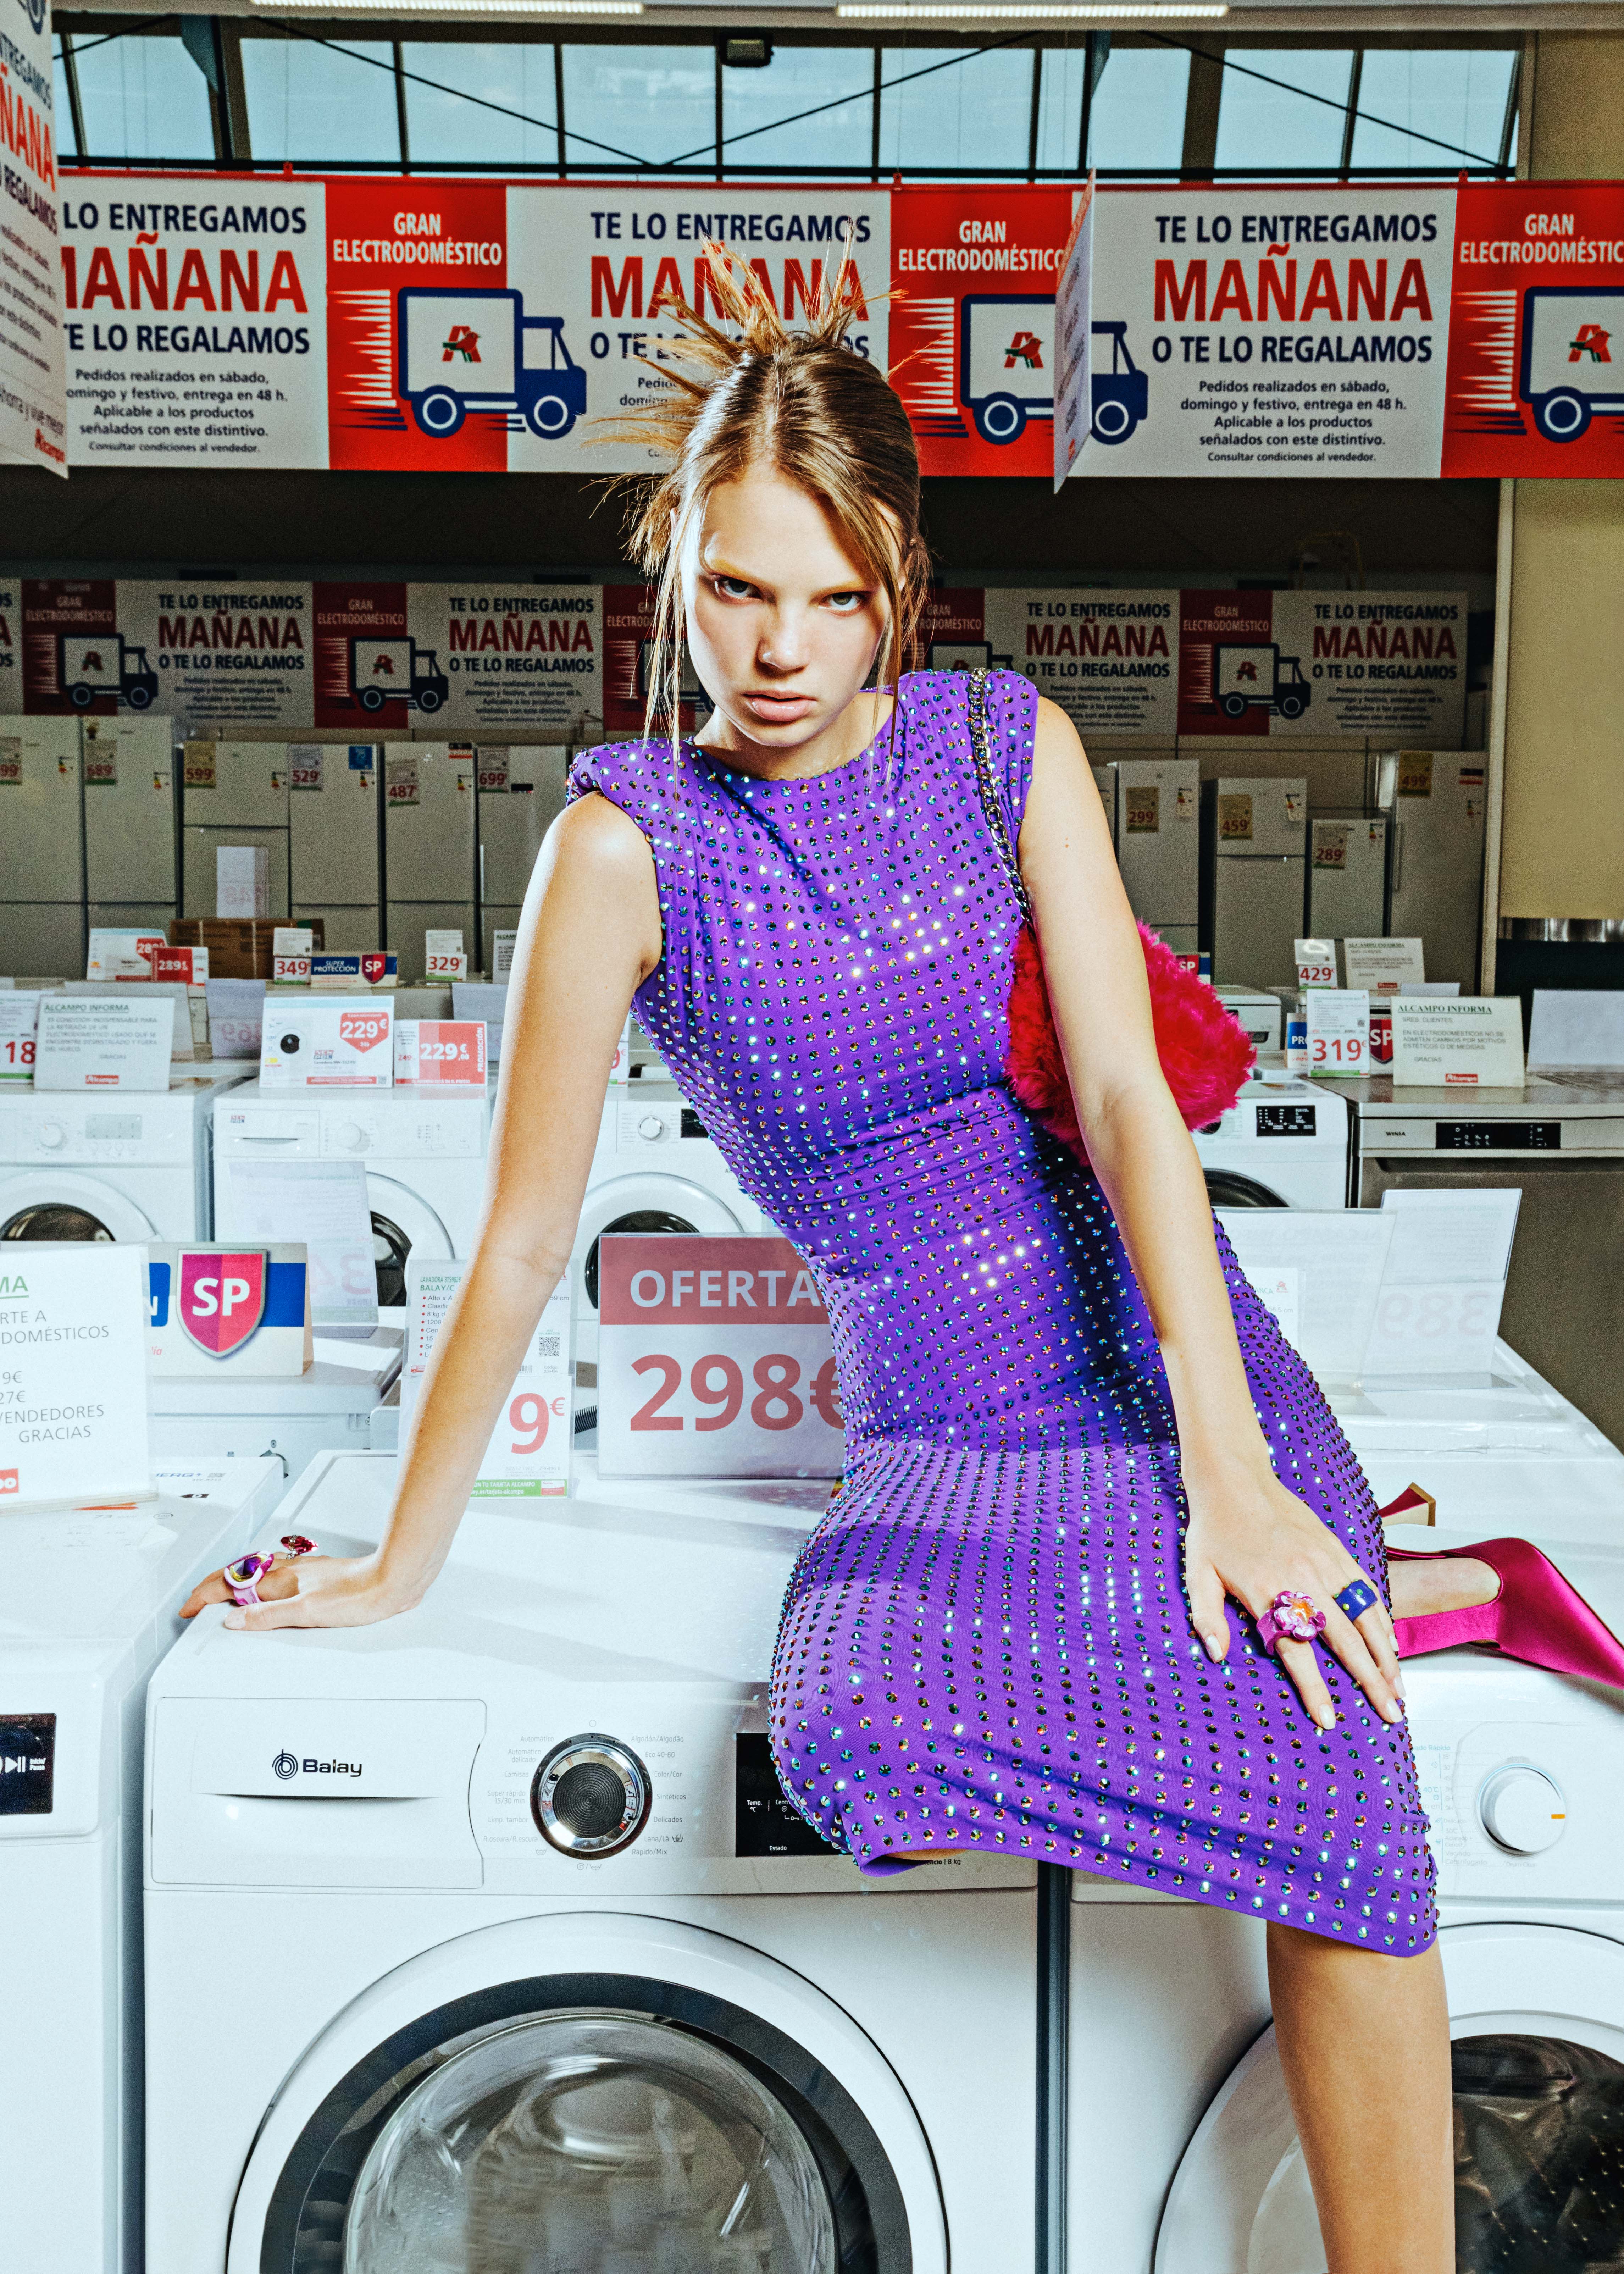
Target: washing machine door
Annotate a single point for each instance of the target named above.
(1537, 2017)
(402, 1223)
(590, 2091)
(642, 1200)
(59, 1204)
(1228, 1188)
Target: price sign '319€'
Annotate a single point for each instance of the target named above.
(715, 1359)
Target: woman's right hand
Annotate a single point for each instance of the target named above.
(315, 1591)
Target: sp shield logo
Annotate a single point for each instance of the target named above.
(36, 13)
(223, 1296)
(285, 1765)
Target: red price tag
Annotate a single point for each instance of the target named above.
(451, 1050)
(362, 1030)
(17, 1050)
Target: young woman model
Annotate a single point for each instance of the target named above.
(1072, 1431)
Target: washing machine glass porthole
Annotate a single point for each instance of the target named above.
(1228, 1188)
(591, 2139)
(54, 1220)
(391, 1246)
(634, 1220)
(1538, 2166)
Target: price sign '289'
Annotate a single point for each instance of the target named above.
(714, 1359)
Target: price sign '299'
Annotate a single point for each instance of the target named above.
(714, 1360)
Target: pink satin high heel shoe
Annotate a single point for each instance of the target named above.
(1536, 1617)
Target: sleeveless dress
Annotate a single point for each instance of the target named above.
(985, 1645)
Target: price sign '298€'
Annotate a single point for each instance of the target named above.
(714, 1360)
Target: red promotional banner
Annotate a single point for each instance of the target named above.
(1537, 331)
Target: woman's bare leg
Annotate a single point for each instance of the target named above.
(1364, 2043)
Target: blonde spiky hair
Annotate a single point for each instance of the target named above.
(802, 402)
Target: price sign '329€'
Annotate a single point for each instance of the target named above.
(715, 1359)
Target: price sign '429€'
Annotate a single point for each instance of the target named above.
(714, 1360)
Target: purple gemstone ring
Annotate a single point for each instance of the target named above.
(1290, 1617)
(243, 1577)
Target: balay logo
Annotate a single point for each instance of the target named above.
(223, 1296)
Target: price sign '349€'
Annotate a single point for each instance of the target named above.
(714, 1360)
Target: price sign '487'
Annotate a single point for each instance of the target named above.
(714, 1359)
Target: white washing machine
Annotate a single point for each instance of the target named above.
(655, 1169)
(567, 1985)
(423, 1155)
(1183, 2155)
(133, 1165)
(1282, 1144)
(87, 1603)
(290, 1418)
(1508, 1453)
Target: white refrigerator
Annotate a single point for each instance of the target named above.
(521, 793)
(42, 849)
(429, 845)
(130, 823)
(336, 842)
(1347, 875)
(232, 794)
(1434, 799)
(1254, 832)
(1159, 845)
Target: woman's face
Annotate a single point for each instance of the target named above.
(783, 626)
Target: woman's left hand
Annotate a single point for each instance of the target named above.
(1248, 1537)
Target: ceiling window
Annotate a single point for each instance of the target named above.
(465, 118)
(639, 106)
(1136, 122)
(141, 96)
(1458, 95)
(1060, 108)
(310, 99)
(1294, 113)
(974, 114)
(834, 85)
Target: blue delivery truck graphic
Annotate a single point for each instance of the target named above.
(457, 352)
(1572, 363)
(1006, 369)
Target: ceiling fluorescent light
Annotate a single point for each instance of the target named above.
(451, 7)
(1041, 12)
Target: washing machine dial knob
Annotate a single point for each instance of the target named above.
(352, 1137)
(590, 1796)
(1523, 1810)
(651, 1129)
(52, 1136)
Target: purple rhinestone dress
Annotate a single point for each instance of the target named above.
(985, 1645)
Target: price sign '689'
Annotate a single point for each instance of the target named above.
(714, 1360)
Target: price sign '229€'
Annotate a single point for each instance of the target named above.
(714, 1360)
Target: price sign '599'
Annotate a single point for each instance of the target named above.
(714, 1360)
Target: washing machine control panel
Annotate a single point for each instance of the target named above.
(590, 1796)
(61, 1129)
(353, 1128)
(648, 1122)
(1518, 1772)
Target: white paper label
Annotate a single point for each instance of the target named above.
(529, 1454)
(323, 1203)
(1444, 1282)
(73, 1372)
(501, 956)
(19, 1018)
(95, 1042)
(337, 1042)
(304, 765)
(1338, 1030)
(620, 1072)
(122, 954)
(445, 966)
(1339, 1257)
(1383, 967)
(714, 1359)
(236, 1017)
(1468, 1042)
(1316, 962)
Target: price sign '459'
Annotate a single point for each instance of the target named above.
(714, 1359)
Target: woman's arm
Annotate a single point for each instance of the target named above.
(589, 936)
(1248, 1536)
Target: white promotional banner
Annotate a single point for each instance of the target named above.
(1073, 341)
(195, 316)
(72, 1374)
(1304, 666)
(1276, 331)
(521, 660)
(1109, 659)
(227, 655)
(591, 275)
(715, 1359)
(33, 427)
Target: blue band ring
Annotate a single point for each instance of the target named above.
(1357, 1597)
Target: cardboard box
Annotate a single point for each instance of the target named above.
(236, 951)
